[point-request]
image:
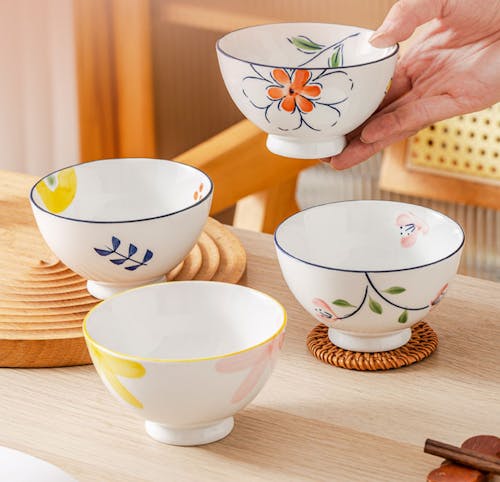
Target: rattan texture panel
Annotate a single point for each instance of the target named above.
(467, 146)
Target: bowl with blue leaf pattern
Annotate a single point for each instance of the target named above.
(306, 84)
(122, 223)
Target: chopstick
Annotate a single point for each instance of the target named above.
(470, 458)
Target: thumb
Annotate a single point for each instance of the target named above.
(403, 18)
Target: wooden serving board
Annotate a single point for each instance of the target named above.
(43, 303)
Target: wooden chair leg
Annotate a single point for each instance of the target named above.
(265, 210)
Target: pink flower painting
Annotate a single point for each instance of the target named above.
(323, 310)
(439, 296)
(255, 362)
(410, 227)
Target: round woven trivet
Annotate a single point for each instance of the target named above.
(43, 303)
(422, 343)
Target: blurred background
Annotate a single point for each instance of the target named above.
(94, 79)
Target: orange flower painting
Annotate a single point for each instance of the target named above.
(198, 194)
(311, 95)
(294, 91)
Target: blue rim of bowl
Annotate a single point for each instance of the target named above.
(219, 48)
(89, 339)
(331, 268)
(82, 164)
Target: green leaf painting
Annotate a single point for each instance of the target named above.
(403, 317)
(395, 290)
(305, 44)
(334, 52)
(51, 180)
(375, 306)
(344, 303)
(336, 60)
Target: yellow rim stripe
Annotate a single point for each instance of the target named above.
(181, 360)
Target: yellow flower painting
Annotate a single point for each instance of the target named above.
(110, 366)
(58, 190)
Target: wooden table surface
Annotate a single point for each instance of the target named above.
(310, 422)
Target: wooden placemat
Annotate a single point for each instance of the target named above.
(423, 342)
(43, 303)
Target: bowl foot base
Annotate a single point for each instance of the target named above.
(369, 344)
(102, 291)
(190, 436)
(305, 149)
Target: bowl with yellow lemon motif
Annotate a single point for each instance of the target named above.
(122, 223)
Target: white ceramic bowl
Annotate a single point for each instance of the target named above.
(368, 269)
(186, 356)
(121, 223)
(305, 84)
(16, 466)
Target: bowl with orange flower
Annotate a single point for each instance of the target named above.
(306, 84)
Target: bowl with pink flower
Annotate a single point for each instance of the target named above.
(306, 84)
(369, 270)
(186, 356)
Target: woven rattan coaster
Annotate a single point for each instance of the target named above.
(43, 303)
(422, 343)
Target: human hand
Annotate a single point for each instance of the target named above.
(452, 68)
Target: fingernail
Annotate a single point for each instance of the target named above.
(382, 39)
(364, 141)
(328, 162)
(332, 165)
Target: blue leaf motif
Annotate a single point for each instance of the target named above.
(147, 256)
(103, 252)
(118, 260)
(133, 267)
(122, 259)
